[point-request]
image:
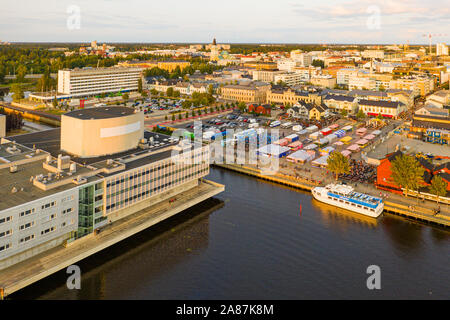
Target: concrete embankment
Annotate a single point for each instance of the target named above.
(34, 115)
(45, 264)
(419, 213)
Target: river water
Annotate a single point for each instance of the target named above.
(253, 242)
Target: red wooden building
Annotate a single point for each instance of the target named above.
(261, 109)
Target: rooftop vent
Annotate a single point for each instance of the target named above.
(13, 169)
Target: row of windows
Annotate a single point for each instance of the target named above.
(158, 188)
(5, 233)
(6, 219)
(122, 180)
(150, 181)
(48, 205)
(354, 204)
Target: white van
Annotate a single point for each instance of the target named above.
(274, 124)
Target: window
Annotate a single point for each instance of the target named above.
(27, 225)
(48, 205)
(5, 247)
(5, 233)
(68, 210)
(6, 219)
(27, 238)
(46, 231)
(26, 213)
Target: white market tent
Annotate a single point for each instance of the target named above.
(300, 156)
(376, 132)
(311, 146)
(273, 150)
(322, 161)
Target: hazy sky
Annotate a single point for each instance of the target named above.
(283, 21)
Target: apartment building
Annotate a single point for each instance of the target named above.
(265, 75)
(304, 59)
(441, 49)
(245, 93)
(420, 86)
(326, 81)
(94, 81)
(290, 79)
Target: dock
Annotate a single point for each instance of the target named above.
(278, 178)
(420, 214)
(47, 263)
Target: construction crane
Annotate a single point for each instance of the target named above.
(430, 36)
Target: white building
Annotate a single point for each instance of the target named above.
(441, 49)
(90, 81)
(305, 59)
(287, 65)
(343, 75)
(291, 79)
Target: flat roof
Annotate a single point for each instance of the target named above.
(100, 113)
(50, 141)
(25, 191)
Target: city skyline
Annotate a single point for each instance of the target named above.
(350, 22)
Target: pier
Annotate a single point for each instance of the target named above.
(394, 206)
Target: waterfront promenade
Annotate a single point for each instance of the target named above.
(34, 269)
(408, 207)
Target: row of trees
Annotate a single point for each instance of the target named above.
(406, 173)
(198, 112)
(14, 120)
(203, 67)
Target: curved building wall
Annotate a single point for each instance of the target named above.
(99, 137)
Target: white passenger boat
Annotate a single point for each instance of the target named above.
(344, 196)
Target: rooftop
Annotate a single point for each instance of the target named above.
(100, 113)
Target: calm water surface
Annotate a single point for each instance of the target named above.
(252, 242)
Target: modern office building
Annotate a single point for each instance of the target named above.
(94, 81)
(59, 185)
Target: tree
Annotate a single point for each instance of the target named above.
(17, 91)
(407, 172)
(210, 89)
(55, 102)
(438, 187)
(125, 97)
(338, 164)
(360, 115)
(140, 85)
(21, 72)
(318, 63)
(344, 112)
(169, 92)
(173, 117)
(154, 92)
